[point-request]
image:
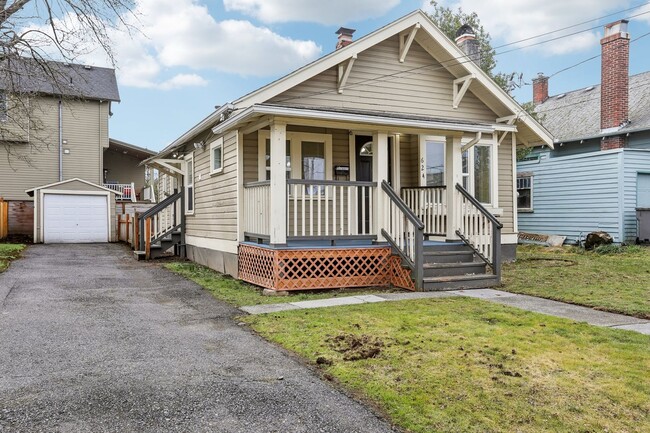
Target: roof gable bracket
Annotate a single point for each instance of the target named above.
(344, 72)
(460, 88)
(508, 119)
(502, 137)
(472, 142)
(166, 164)
(405, 41)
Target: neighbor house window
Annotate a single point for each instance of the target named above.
(525, 193)
(216, 156)
(189, 184)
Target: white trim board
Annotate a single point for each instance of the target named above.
(224, 245)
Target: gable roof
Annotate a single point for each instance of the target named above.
(26, 75)
(446, 52)
(30, 191)
(575, 115)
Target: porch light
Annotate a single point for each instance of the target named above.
(366, 149)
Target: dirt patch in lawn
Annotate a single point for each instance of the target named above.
(356, 347)
(541, 262)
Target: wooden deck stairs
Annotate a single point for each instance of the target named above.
(454, 266)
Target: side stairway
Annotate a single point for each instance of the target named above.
(453, 266)
(160, 229)
(169, 245)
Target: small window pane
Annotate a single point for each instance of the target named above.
(313, 160)
(435, 163)
(482, 174)
(524, 193)
(267, 158)
(190, 172)
(190, 198)
(465, 169)
(216, 158)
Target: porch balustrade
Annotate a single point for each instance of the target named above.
(127, 190)
(257, 197)
(429, 204)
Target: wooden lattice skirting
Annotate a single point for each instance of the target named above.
(321, 268)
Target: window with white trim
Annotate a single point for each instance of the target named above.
(216, 156)
(189, 184)
(479, 173)
(309, 156)
(525, 193)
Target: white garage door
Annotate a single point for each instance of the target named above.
(75, 218)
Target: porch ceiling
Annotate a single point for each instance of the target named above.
(258, 115)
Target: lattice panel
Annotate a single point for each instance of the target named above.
(332, 268)
(399, 275)
(257, 265)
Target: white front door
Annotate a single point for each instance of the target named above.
(73, 218)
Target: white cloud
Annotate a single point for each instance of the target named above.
(181, 34)
(337, 12)
(513, 21)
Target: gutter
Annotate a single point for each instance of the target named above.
(361, 118)
(603, 135)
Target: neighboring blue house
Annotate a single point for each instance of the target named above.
(599, 172)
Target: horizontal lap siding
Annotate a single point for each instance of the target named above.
(250, 158)
(378, 81)
(635, 161)
(215, 204)
(33, 164)
(573, 195)
(506, 185)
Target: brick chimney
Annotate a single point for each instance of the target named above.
(614, 84)
(540, 89)
(466, 40)
(345, 37)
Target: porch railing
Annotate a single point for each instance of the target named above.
(479, 229)
(160, 221)
(405, 232)
(127, 190)
(257, 198)
(329, 209)
(429, 204)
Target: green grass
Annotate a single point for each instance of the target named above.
(9, 252)
(238, 293)
(615, 279)
(466, 365)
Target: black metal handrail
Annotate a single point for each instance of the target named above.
(417, 262)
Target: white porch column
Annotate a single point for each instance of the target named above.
(278, 205)
(453, 175)
(379, 174)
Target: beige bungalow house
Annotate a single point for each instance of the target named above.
(388, 161)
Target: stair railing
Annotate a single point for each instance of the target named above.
(405, 233)
(161, 220)
(479, 229)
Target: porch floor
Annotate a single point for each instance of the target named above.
(340, 244)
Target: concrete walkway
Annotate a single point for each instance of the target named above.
(93, 341)
(525, 302)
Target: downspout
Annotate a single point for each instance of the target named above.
(60, 141)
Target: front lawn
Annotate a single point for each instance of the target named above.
(9, 252)
(241, 294)
(466, 365)
(616, 280)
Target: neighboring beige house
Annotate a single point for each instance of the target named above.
(389, 161)
(54, 126)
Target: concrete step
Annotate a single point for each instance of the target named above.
(455, 282)
(448, 256)
(451, 246)
(452, 269)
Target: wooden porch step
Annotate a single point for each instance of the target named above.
(453, 269)
(456, 282)
(462, 256)
(450, 246)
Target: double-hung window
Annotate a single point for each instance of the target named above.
(525, 192)
(478, 165)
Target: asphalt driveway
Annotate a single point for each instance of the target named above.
(93, 341)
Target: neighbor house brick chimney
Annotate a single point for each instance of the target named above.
(614, 82)
(345, 37)
(540, 89)
(466, 40)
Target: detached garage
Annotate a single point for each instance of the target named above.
(74, 211)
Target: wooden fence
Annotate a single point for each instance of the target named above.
(4, 218)
(128, 229)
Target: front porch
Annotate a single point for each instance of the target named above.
(335, 207)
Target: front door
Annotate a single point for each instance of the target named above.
(363, 148)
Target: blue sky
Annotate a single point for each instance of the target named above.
(195, 54)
